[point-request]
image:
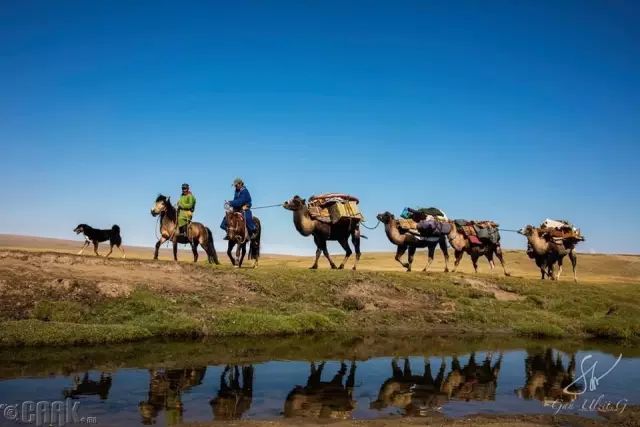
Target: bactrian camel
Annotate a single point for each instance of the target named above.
(324, 231)
(412, 242)
(461, 244)
(547, 253)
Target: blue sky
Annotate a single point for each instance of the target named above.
(512, 111)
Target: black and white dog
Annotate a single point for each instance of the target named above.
(95, 236)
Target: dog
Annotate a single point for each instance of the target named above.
(95, 236)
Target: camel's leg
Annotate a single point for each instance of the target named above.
(399, 252)
(345, 245)
(318, 252)
(445, 252)
(95, 248)
(574, 262)
(355, 239)
(458, 256)
(410, 255)
(560, 259)
(431, 251)
(175, 249)
(158, 244)
(498, 252)
(474, 261)
(229, 249)
(194, 250)
(110, 251)
(86, 243)
(122, 250)
(325, 251)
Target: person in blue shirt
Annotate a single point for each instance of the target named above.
(241, 203)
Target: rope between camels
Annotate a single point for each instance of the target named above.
(506, 229)
(268, 206)
(370, 228)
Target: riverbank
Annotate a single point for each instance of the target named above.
(53, 298)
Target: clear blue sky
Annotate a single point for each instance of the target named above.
(512, 111)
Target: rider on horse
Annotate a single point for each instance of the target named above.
(186, 207)
(241, 203)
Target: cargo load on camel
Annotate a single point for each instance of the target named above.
(560, 230)
(334, 207)
(478, 232)
(426, 222)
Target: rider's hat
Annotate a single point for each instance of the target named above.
(185, 186)
(238, 181)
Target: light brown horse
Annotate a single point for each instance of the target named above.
(197, 233)
(237, 234)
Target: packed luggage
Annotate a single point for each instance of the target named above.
(478, 232)
(560, 230)
(424, 222)
(334, 207)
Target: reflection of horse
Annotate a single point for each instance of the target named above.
(547, 377)
(237, 234)
(233, 399)
(416, 394)
(196, 232)
(323, 399)
(165, 392)
(88, 387)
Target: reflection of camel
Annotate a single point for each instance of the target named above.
(87, 387)
(233, 399)
(473, 382)
(547, 378)
(418, 394)
(165, 392)
(322, 399)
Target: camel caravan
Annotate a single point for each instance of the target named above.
(337, 217)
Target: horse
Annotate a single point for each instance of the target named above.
(197, 233)
(238, 234)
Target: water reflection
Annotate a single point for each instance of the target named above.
(323, 399)
(546, 377)
(89, 387)
(166, 387)
(235, 393)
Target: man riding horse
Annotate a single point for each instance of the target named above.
(241, 203)
(186, 207)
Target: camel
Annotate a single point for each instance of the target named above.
(546, 253)
(547, 378)
(412, 242)
(235, 393)
(461, 244)
(323, 232)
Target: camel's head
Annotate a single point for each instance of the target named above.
(385, 217)
(295, 203)
(527, 230)
(160, 205)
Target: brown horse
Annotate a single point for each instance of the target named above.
(197, 233)
(322, 232)
(237, 234)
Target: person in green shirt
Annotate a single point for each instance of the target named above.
(186, 207)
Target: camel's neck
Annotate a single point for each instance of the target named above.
(394, 235)
(539, 245)
(303, 221)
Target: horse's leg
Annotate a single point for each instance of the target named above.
(194, 249)
(355, 239)
(431, 250)
(574, 262)
(399, 252)
(410, 255)
(230, 246)
(110, 250)
(95, 248)
(241, 255)
(345, 245)
(498, 252)
(318, 252)
(86, 243)
(445, 252)
(158, 244)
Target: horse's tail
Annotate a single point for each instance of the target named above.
(254, 244)
(211, 252)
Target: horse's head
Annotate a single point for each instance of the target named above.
(236, 230)
(160, 205)
(385, 217)
(295, 203)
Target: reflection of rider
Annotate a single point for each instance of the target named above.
(186, 207)
(241, 203)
